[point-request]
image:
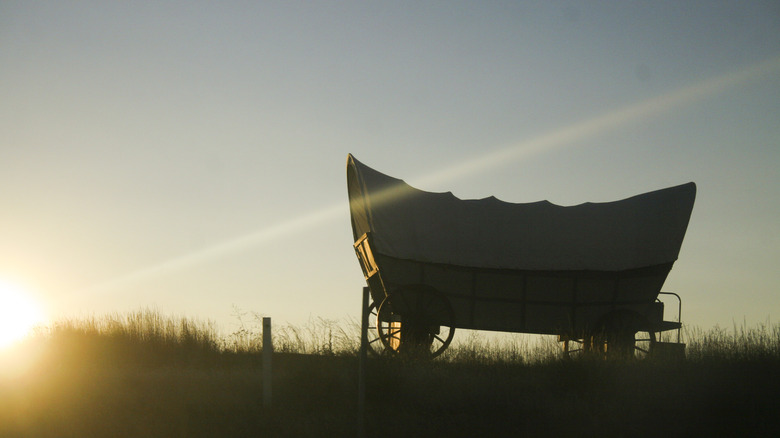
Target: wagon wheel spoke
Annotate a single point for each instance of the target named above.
(413, 324)
(388, 330)
(393, 333)
(444, 343)
(644, 344)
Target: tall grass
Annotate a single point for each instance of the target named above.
(148, 336)
(318, 336)
(147, 374)
(143, 337)
(741, 343)
(510, 349)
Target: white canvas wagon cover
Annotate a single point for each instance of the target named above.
(411, 224)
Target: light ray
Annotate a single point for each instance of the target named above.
(225, 248)
(566, 136)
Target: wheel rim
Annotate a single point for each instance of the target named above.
(622, 335)
(375, 344)
(415, 321)
(643, 344)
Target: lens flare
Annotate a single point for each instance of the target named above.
(18, 313)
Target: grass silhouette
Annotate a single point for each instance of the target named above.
(147, 374)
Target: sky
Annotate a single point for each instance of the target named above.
(190, 156)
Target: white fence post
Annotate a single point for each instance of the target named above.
(268, 350)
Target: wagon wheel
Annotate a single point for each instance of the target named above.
(416, 320)
(375, 344)
(621, 335)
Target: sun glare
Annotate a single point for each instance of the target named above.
(18, 313)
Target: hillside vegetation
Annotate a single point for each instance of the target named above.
(145, 374)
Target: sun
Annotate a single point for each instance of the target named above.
(18, 313)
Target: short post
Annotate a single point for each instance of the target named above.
(362, 366)
(268, 350)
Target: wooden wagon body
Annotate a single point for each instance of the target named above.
(530, 268)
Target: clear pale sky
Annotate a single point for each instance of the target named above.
(190, 156)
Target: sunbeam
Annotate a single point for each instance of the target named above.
(563, 137)
(568, 135)
(222, 249)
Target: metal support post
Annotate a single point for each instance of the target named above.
(268, 350)
(362, 366)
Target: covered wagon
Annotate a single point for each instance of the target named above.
(589, 273)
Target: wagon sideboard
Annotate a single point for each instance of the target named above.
(541, 302)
